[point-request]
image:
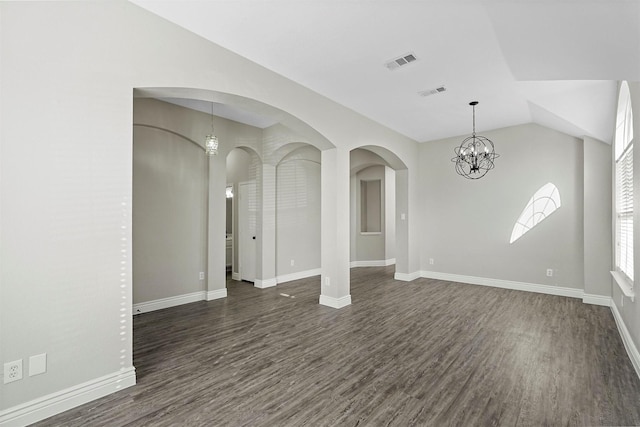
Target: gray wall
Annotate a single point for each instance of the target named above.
(467, 224)
(598, 200)
(367, 165)
(369, 246)
(169, 215)
(298, 211)
(170, 196)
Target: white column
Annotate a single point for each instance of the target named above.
(216, 233)
(335, 228)
(266, 228)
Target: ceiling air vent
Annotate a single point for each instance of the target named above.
(400, 61)
(430, 92)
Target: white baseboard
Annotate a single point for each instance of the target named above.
(407, 277)
(335, 302)
(373, 263)
(235, 276)
(505, 284)
(267, 283)
(159, 304)
(629, 345)
(58, 402)
(216, 294)
(596, 300)
(299, 275)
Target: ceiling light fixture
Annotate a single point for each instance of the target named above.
(475, 156)
(211, 140)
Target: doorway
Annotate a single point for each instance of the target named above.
(247, 217)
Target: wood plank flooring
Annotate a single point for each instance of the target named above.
(427, 353)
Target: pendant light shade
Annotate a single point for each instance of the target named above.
(211, 140)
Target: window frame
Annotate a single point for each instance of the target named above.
(623, 191)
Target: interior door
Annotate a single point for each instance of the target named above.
(247, 230)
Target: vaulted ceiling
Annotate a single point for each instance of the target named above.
(551, 62)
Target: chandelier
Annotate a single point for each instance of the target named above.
(211, 140)
(475, 156)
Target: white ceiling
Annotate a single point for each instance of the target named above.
(552, 62)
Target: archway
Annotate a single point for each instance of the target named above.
(242, 169)
(378, 206)
(275, 136)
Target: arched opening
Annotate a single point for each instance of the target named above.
(256, 142)
(375, 208)
(242, 168)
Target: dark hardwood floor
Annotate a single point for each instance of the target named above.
(426, 352)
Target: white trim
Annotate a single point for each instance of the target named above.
(596, 300)
(159, 304)
(60, 401)
(407, 277)
(235, 276)
(267, 283)
(374, 263)
(629, 345)
(335, 302)
(623, 283)
(299, 275)
(505, 284)
(216, 294)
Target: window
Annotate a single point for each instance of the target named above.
(623, 153)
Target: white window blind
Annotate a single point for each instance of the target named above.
(623, 150)
(624, 208)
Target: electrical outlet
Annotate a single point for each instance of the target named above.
(430, 261)
(13, 371)
(202, 275)
(292, 263)
(327, 282)
(549, 272)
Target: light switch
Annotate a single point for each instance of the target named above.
(38, 364)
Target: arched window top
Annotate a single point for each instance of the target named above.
(624, 121)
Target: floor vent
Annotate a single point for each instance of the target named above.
(400, 61)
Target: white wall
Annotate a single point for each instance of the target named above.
(467, 224)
